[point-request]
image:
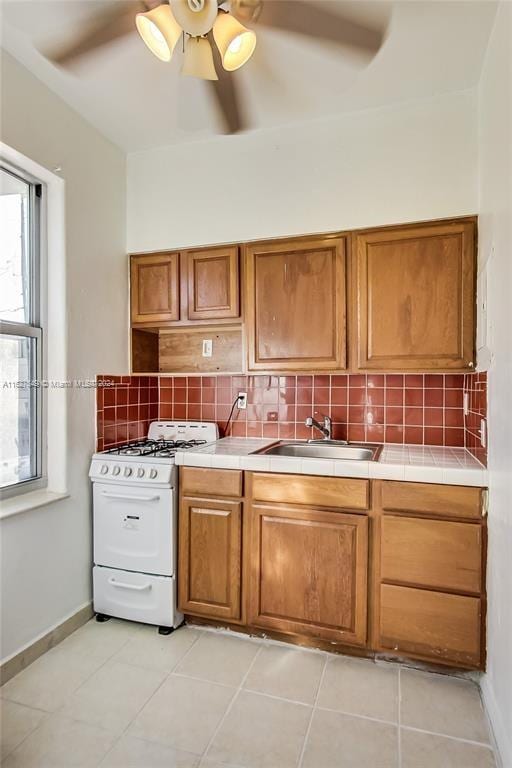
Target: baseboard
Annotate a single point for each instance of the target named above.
(502, 736)
(53, 637)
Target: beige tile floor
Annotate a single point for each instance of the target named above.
(118, 695)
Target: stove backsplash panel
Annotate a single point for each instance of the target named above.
(423, 409)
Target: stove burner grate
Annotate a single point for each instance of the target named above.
(162, 448)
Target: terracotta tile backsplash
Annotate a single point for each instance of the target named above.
(475, 388)
(125, 407)
(393, 408)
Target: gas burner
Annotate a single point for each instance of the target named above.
(161, 448)
(166, 453)
(135, 448)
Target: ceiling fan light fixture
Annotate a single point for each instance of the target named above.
(196, 17)
(235, 42)
(198, 59)
(159, 30)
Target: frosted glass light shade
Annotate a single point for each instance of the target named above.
(159, 30)
(198, 59)
(235, 42)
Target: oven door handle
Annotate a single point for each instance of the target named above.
(126, 497)
(123, 585)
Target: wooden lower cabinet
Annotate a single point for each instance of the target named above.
(387, 567)
(428, 554)
(307, 572)
(210, 549)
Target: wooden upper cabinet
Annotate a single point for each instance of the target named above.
(212, 283)
(415, 292)
(308, 572)
(296, 305)
(155, 288)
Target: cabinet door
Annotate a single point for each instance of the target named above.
(155, 288)
(308, 572)
(296, 304)
(210, 541)
(415, 289)
(213, 288)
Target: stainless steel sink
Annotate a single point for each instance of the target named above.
(327, 450)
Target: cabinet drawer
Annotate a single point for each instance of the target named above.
(315, 491)
(210, 482)
(432, 553)
(442, 500)
(432, 624)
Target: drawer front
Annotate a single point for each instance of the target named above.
(432, 553)
(334, 492)
(210, 482)
(432, 624)
(135, 596)
(441, 500)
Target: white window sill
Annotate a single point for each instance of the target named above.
(27, 501)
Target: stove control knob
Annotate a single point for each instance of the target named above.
(140, 472)
(127, 471)
(116, 470)
(153, 473)
(104, 469)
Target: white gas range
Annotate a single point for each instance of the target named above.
(135, 503)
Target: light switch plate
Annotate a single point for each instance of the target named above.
(207, 347)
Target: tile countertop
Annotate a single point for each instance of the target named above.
(416, 463)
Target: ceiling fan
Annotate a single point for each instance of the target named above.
(215, 40)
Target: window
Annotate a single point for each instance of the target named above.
(21, 335)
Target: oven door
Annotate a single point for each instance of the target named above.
(135, 528)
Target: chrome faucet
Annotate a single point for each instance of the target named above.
(325, 429)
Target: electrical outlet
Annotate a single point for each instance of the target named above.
(483, 433)
(242, 401)
(466, 403)
(207, 347)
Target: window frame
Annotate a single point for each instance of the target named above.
(34, 328)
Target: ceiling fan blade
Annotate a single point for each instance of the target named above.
(115, 22)
(306, 19)
(227, 95)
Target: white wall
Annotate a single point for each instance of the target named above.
(46, 552)
(402, 163)
(495, 137)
